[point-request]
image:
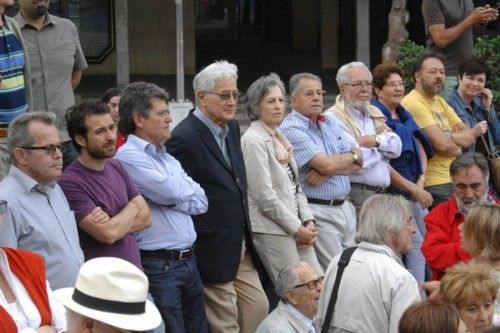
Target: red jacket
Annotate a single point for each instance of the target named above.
(441, 247)
(30, 270)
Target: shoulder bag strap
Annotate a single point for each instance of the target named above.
(343, 262)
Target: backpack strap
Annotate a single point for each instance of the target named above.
(343, 262)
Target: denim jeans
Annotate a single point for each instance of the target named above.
(178, 293)
(415, 260)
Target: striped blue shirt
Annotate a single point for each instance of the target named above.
(12, 92)
(308, 141)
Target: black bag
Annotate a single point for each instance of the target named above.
(343, 262)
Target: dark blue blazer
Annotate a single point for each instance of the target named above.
(221, 229)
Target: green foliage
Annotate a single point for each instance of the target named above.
(408, 54)
(488, 48)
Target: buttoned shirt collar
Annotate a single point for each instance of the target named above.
(27, 183)
(22, 22)
(305, 120)
(300, 316)
(213, 127)
(144, 145)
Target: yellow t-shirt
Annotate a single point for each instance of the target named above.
(433, 111)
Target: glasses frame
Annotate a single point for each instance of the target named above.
(225, 96)
(3, 207)
(358, 85)
(311, 285)
(49, 149)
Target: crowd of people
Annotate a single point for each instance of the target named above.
(376, 214)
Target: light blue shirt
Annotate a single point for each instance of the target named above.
(300, 317)
(308, 141)
(171, 194)
(39, 219)
(219, 133)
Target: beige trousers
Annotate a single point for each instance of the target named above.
(238, 306)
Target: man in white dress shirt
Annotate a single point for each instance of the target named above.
(364, 125)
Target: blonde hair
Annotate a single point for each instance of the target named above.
(468, 281)
(482, 229)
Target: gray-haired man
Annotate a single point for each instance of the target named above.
(38, 216)
(299, 286)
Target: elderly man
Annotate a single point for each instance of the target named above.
(207, 143)
(56, 60)
(442, 249)
(364, 125)
(324, 159)
(38, 217)
(109, 297)
(375, 288)
(15, 84)
(167, 247)
(108, 206)
(299, 286)
(446, 132)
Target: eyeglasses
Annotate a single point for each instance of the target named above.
(357, 85)
(312, 93)
(311, 285)
(394, 84)
(225, 96)
(3, 206)
(49, 149)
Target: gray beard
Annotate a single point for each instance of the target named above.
(465, 208)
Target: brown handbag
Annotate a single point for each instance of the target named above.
(494, 161)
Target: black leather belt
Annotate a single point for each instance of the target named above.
(369, 187)
(332, 202)
(168, 254)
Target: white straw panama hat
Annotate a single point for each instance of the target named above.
(112, 291)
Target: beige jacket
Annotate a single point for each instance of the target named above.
(340, 109)
(271, 199)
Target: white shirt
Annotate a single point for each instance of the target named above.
(374, 292)
(24, 312)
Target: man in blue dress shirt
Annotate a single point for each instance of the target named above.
(167, 247)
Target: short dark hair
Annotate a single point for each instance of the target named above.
(381, 73)
(136, 98)
(77, 114)
(473, 66)
(418, 65)
(110, 93)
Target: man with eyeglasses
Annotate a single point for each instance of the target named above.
(207, 143)
(298, 287)
(364, 125)
(447, 133)
(166, 248)
(108, 206)
(324, 159)
(38, 217)
(442, 242)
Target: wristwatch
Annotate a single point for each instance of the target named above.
(356, 158)
(377, 141)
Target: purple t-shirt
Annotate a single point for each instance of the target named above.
(111, 189)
